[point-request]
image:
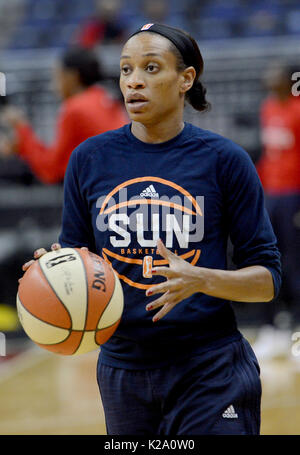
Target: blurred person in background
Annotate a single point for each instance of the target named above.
(11, 14)
(158, 11)
(279, 171)
(105, 27)
(87, 110)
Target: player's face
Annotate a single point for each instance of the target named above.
(149, 80)
(66, 82)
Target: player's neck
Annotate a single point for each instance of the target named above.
(158, 132)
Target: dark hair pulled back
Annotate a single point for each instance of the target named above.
(85, 63)
(196, 96)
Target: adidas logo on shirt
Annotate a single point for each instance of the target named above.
(230, 413)
(149, 192)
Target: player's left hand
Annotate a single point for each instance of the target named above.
(183, 280)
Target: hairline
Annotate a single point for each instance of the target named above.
(171, 48)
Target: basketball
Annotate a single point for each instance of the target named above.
(70, 301)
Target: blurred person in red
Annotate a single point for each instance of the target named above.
(279, 171)
(105, 27)
(87, 110)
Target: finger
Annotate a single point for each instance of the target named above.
(163, 271)
(27, 265)
(84, 248)
(55, 246)
(158, 302)
(38, 253)
(163, 251)
(165, 310)
(169, 285)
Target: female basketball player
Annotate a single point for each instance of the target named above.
(177, 363)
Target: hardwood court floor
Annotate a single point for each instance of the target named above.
(45, 394)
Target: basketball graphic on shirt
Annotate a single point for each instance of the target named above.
(169, 215)
(70, 301)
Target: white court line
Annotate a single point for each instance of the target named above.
(25, 361)
(22, 362)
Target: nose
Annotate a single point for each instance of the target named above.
(135, 80)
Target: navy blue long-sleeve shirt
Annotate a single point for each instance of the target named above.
(194, 192)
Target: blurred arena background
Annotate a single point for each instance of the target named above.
(41, 393)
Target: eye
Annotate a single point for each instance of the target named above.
(125, 69)
(151, 68)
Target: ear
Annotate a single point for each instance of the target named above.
(188, 77)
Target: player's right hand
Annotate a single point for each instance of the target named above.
(40, 252)
(37, 254)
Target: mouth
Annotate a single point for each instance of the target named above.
(135, 105)
(136, 101)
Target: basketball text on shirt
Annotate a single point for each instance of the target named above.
(140, 211)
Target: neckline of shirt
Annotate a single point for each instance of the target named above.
(160, 147)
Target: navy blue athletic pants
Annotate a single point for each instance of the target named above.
(215, 392)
